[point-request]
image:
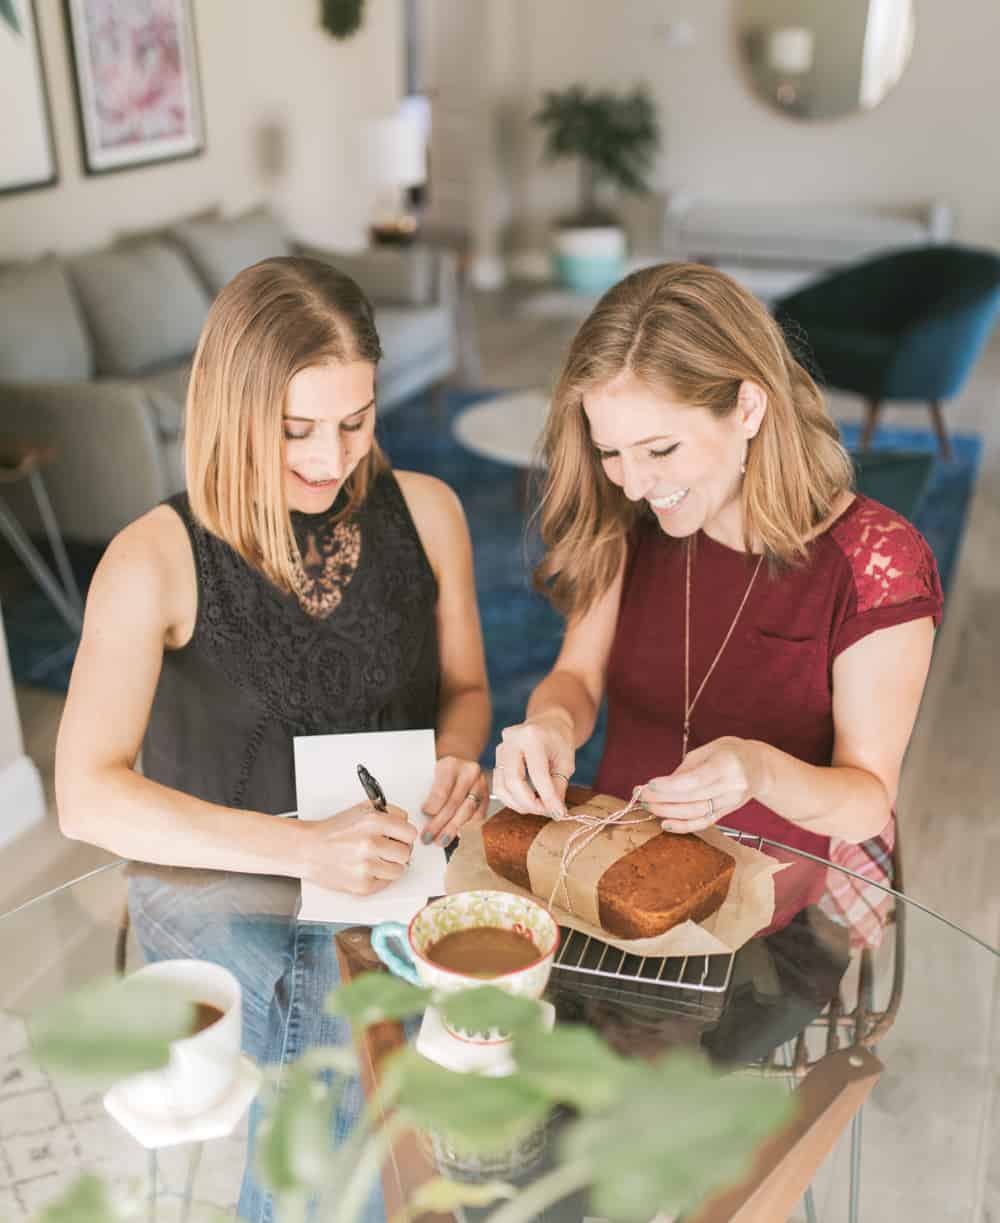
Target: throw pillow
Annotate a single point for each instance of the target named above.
(144, 306)
(43, 338)
(219, 249)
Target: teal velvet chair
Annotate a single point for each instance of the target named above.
(908, 325)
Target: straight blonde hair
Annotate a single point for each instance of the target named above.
(270, 321)
(693, 334)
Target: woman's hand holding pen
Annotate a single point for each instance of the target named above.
(457, 799)
(359, 850)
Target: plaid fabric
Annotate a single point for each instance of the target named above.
(854, 903)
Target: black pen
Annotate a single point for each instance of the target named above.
(372, 788)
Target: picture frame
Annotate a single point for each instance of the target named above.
(138, 88)
(27, 148)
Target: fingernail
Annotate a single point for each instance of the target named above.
(443, 839)
(427, 837)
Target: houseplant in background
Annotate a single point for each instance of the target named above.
(342, 18)
(644, 1136)
(615, 138)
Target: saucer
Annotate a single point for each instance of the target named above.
(453, 1052)
(219, 1121)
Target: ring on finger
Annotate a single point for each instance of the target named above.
(711, 808)
(474, 798)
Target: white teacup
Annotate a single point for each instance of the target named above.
(203, 1067)
(404, 950)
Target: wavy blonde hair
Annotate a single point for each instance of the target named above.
(270, 321)
(693, 334)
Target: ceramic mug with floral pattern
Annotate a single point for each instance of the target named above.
(404, 950)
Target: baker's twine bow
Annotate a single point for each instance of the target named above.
(591, 827)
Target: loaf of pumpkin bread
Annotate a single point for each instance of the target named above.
(672, 878)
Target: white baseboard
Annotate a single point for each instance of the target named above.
(22, 799)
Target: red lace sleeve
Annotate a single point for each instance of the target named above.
(894, 574)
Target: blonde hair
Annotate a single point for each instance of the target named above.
(693, 334)
(270, 321)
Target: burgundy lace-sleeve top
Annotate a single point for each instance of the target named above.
(870, 569)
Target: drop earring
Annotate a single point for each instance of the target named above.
(743, 460)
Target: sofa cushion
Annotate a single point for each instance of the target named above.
(410, 334)
(167, 390)
(389, 275)
(144, 306)
(221, 248)
(42, 337)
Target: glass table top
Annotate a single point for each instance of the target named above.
(927, 1000)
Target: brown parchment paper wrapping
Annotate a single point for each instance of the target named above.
(748, 908)
(576, 892)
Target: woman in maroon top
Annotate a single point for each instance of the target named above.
(763, 633)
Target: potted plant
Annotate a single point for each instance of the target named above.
(615, 138)
(629, 1143)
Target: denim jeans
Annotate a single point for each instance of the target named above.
(285, 969)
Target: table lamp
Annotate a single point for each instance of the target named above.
(396, 159)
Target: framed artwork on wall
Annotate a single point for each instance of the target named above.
(137, 88)
(27, 151)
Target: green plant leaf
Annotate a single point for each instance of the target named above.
(86, 1201)
(111, 1028)
(440, 1196)
(616, 136)
(683, 1131)
(572, 1065)
(338, 1058)
(341, 18)
(485, 1006)
(294, 1145)
(477, 1113)
(9, 14)
(375, 996)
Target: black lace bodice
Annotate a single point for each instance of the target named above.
(355, 649)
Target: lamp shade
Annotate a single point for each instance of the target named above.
(396, 151)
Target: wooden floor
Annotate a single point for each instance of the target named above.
(950, 797)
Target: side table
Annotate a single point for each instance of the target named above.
(21, 460)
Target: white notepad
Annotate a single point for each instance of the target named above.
(326, 781)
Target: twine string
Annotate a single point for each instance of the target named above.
(591, 827)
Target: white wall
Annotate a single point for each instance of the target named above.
(22, 802)
(283, 101)
(932, 136)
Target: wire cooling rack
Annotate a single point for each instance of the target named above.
(588, 966)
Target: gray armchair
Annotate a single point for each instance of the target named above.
(95, 353)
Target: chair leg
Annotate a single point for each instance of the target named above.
(855, 1166)
(873, 406)
(121, 942)
(942, 433)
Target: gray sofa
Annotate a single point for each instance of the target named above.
(95, 352)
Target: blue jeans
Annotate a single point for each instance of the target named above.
(285, 969)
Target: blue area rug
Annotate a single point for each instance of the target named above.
(522, 632)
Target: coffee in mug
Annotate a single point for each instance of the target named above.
(484, 951)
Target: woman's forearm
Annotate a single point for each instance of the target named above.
(133, 817)
(563, 695)
(838, 800)
(463, 724)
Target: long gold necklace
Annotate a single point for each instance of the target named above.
(690, 704)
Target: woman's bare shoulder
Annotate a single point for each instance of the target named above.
(149, 565)
(437, 514)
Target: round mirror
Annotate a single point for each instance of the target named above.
(818, 59)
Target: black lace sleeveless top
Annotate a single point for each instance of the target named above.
(355, 649)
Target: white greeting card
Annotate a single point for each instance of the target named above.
(326, 782)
